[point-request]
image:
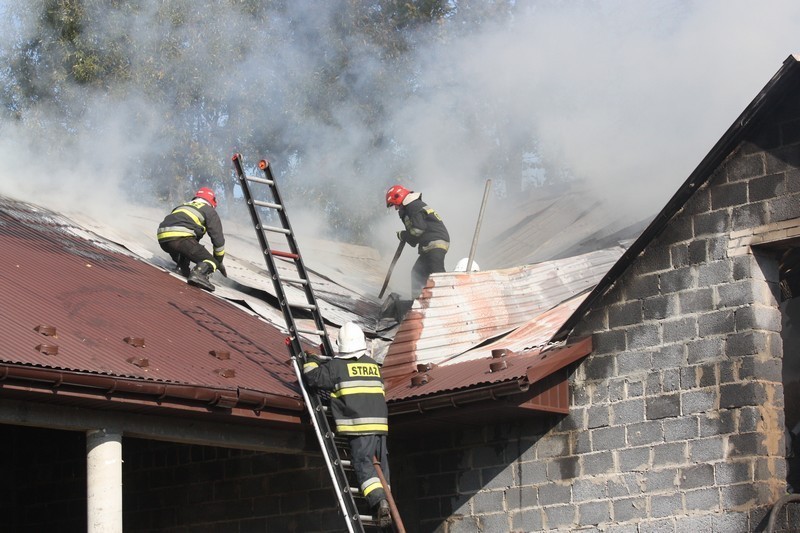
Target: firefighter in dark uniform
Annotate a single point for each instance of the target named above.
(358, 405)
(424, 229)
(180, 232)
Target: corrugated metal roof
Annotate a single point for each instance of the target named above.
(555, 227)
(519, 370)
(341, 274)
(459, 311)
(97, 295)
(73, 303)
(534, 334)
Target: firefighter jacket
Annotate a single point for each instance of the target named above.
(358, 403)
(424, 227)
(194, 219)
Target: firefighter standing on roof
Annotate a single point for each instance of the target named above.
(181, 230)
(424, 229)
(358, 405)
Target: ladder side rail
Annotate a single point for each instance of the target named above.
(301, 269)
(266, 249)
(312, 401)
(248, 195)
(353, 519)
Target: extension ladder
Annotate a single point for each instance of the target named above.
(330, 445)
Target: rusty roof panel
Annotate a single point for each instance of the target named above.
(535, 333)
(113, 315)
(458, 311)
(525, 369)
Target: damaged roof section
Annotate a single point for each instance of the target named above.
(484, 339)
(460, 312)
(555, 226)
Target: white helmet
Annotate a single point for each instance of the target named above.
(461, 266)
(351, 339)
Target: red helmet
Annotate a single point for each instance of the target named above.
(207, 194)
(396, 195)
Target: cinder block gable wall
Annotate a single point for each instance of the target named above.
(686, 370)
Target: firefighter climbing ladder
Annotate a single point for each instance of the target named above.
(333, 458)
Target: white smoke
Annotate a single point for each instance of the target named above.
(627, 95)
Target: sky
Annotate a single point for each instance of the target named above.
(629, 95)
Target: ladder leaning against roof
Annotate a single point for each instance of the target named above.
(313, 401)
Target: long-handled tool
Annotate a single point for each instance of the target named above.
(391, 267)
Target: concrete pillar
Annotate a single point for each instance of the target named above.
(104, 481)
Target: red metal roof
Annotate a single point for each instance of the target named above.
(506, 366)
(89, 320)
(81, 313)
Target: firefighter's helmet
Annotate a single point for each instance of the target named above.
(351, 339)
(396, 195)
(207, 194)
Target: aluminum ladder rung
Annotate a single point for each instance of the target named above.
(309, 307)
(299, 281)
(275, 229)
(271, 205)
(311, 331)
(259, 180)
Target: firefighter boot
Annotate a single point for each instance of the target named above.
(384, 515)
(199, 276)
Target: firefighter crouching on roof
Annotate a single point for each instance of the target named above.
(424, 229)
(358, 405)
(181, 230)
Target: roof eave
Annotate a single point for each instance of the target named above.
(544, 389)
(157, 394)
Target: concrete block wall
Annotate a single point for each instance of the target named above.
(179, 488)
(686, 372)
(691, 393)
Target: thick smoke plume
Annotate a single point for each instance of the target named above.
(625, 97)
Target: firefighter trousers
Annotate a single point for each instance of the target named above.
(363, 448)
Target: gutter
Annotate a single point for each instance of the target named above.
(153, 391)
(459, 399)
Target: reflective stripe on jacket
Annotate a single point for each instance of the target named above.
(358, 402)
(423, 225)
(194, 219)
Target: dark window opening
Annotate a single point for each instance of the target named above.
(789, 271)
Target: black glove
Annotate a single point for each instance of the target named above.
(401, 235)
(222, 270)
(311, 359)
